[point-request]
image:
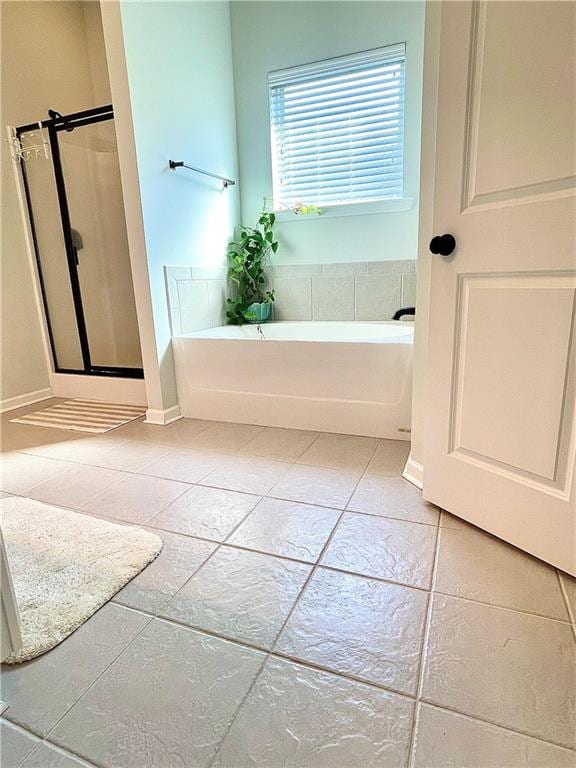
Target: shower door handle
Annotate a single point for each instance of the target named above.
(77, 244)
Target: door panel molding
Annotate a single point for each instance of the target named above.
(547, 462)
(541, 189)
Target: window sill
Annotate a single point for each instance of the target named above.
(391, 205)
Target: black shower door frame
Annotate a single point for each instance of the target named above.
(54, 126)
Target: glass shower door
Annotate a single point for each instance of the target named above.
(52, 261)
(91, 175)
(77, 220)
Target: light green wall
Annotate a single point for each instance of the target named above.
(272, 35)
(179, 62)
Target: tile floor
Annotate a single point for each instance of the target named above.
(308, 610)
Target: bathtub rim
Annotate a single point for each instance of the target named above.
(406, 337)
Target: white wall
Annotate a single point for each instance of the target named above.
(44, 64)
(272, 35)
(179, 65)
(415, 468)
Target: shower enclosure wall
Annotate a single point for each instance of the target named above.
(76, 212)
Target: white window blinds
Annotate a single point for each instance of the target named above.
(338, 129)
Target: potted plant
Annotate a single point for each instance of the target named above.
(247, 256)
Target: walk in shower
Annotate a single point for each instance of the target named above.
(71, 181)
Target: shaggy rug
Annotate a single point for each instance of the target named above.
(83, 416)
(65, 566)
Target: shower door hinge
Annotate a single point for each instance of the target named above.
(21, 150)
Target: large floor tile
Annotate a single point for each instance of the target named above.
(451, 521)
(21, 437)
(392, 497)
(444, 739)
(48, 756)
(475, 565)
(210, 513)
(184, 431)
(569, 587)
(131, 455)
(286, 528)
(317, 485)
(185, 464)
(247, 474)
(361, 627)
(180, 557)
(76, 486)
(340, 452)
(395, 550)
(81, 450)
(135, 499)
(280, 444)
(40, 691)
(303, 718)
(178, 433)
(15, 745)
(390, 458)
(167, 701)
(18, 437)
(20, 471)
(222, 436)
(510, 668)
(243, 595)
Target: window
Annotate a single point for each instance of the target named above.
(338, 129)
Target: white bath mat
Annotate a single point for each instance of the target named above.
(83, 416)
(65, 566)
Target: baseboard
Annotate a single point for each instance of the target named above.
(28, 398)
(414, 473)
(167, 416)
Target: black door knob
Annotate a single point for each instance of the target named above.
(443, 245)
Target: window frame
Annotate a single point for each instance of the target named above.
(305, 73)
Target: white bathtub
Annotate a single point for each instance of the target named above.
(348, 377)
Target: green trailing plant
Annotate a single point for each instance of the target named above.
(246, 258)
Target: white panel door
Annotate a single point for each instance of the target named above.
(501, 438)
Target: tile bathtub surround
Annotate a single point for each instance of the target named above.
(365, 290)
(196, 297)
